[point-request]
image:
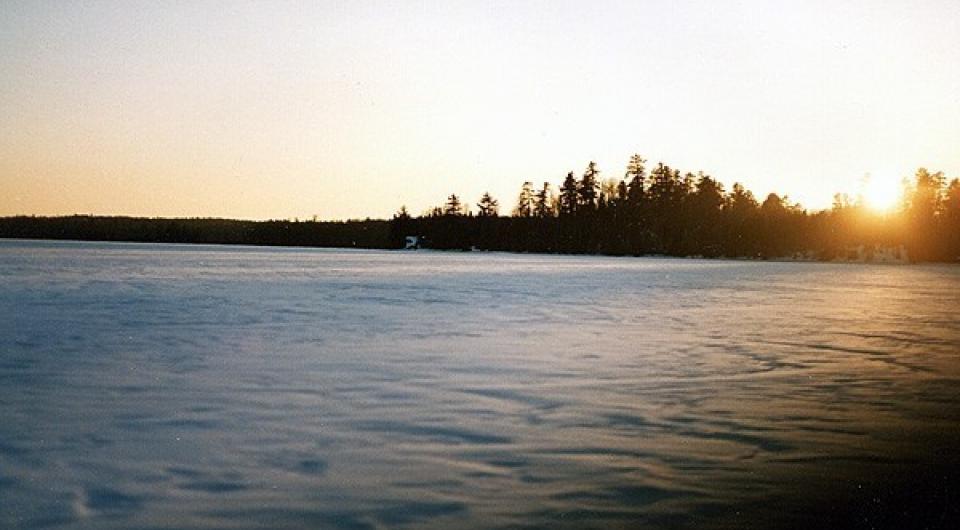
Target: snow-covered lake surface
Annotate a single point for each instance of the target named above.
(174, 386)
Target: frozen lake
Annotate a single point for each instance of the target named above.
(163, 386)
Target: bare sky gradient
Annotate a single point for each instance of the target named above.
(350, 109)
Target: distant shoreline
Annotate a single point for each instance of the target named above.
(665, 215)
(809, 258)
(369, 233)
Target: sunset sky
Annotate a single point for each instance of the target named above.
(351, 109)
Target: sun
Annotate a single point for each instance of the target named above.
(881, 193)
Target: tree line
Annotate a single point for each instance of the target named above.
(368, 233)
(656, 210)
(662, 211)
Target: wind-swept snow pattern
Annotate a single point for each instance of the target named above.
(163, 386)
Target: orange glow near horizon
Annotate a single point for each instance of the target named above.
(276, 110)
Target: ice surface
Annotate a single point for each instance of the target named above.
(167, 386)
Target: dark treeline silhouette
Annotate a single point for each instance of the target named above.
(358, 234)
(663, 211)
(648, 211)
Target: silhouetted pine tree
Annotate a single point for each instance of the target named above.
(569, 198)
(401, 226)
(740, 211)
(543, 204)
(488, 206)
(951, 208)
(924, 215)
(637, 215)
(487, 225)
(588, 190)
(545, 239)
(704, 210)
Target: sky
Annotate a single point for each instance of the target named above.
(336, 109)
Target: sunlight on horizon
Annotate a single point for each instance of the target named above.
(349, 110)
(883, 193)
